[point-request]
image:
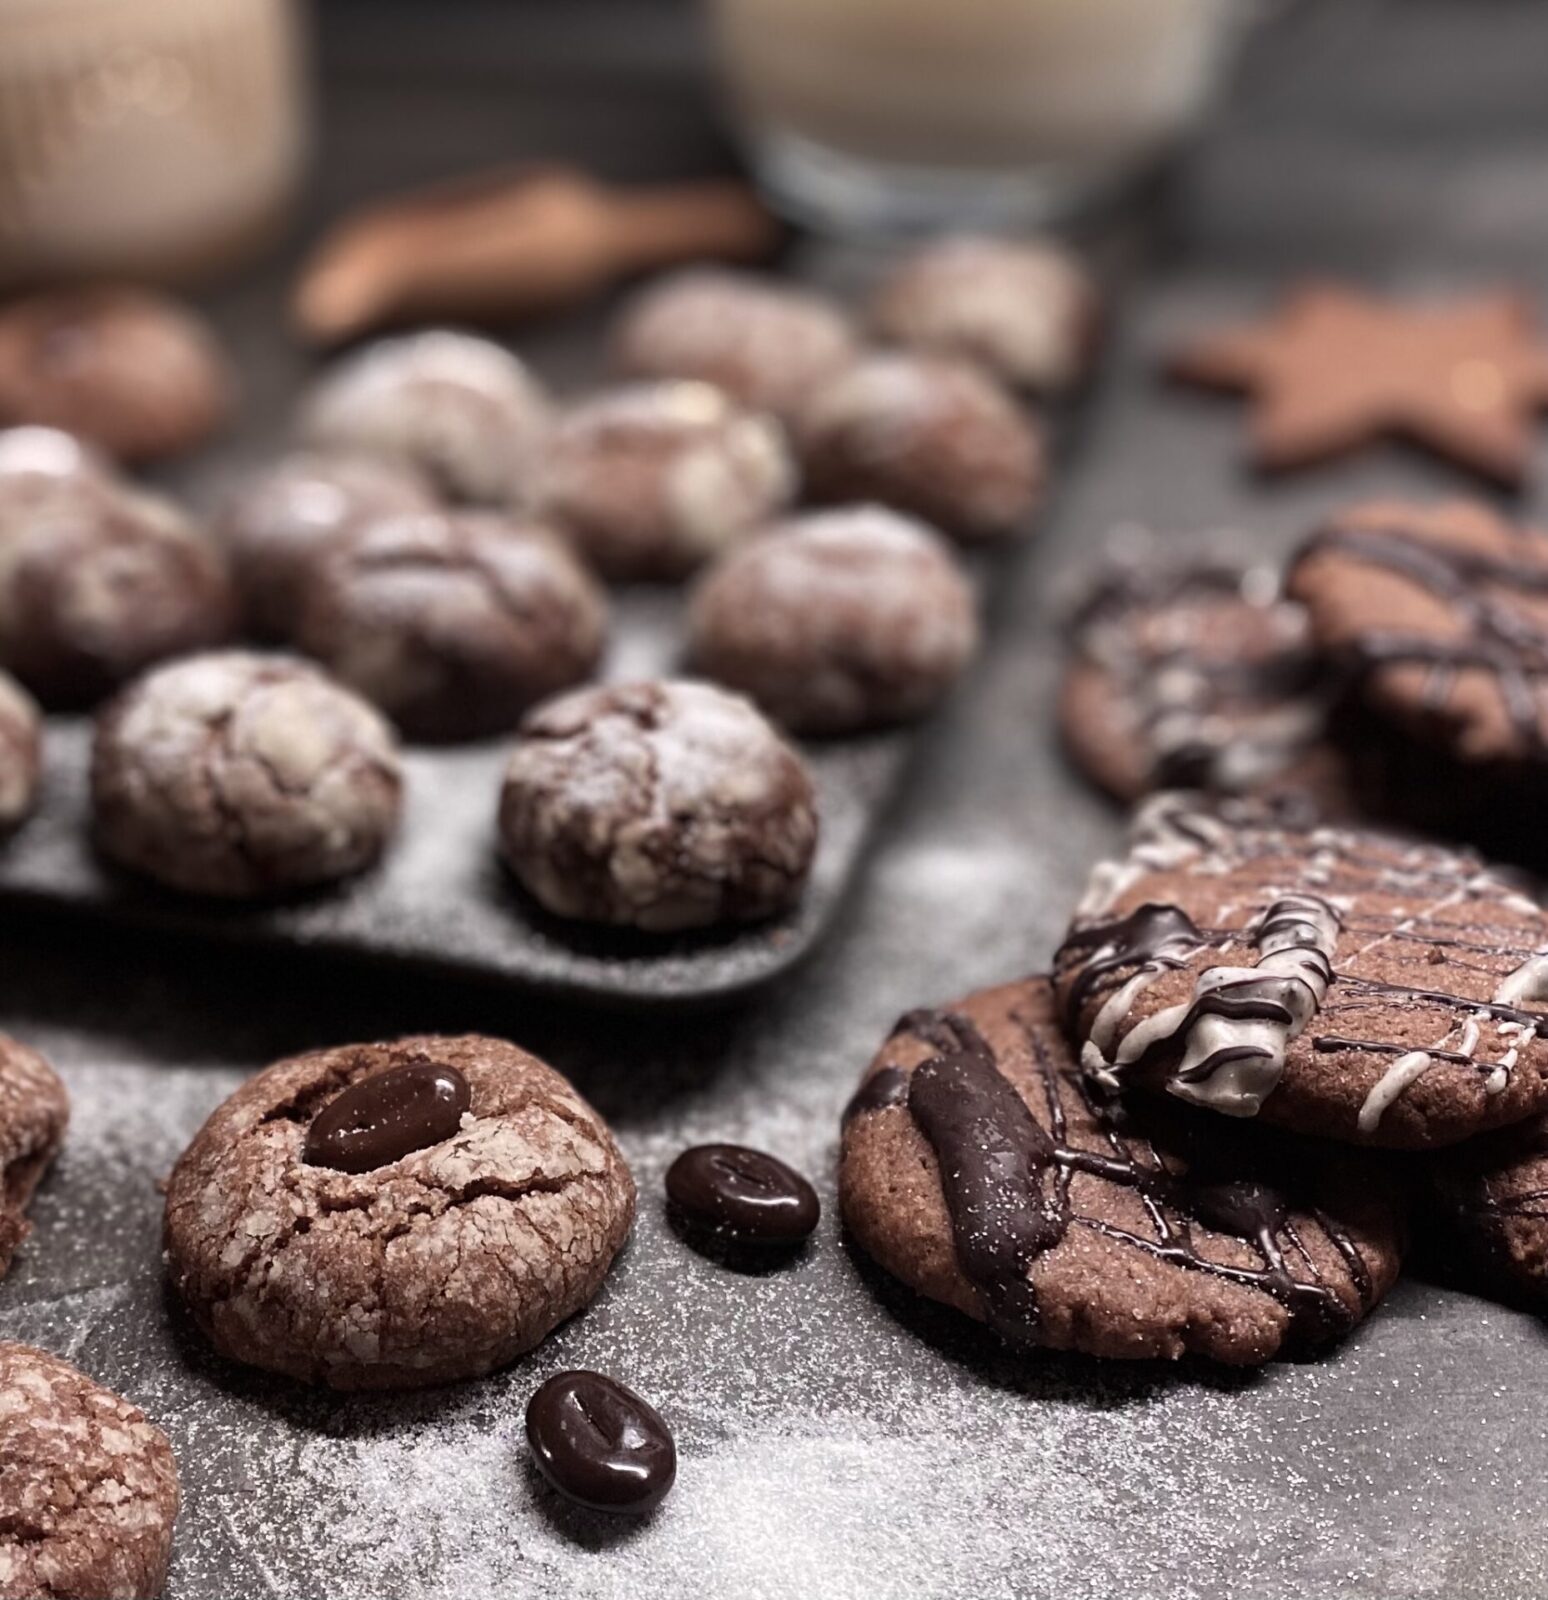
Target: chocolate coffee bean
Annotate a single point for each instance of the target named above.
(386, 1116)
(599, 1444)
(741, 1197)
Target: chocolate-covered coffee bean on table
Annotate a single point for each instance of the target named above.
(728, 1196)
(385, 1117)
(599, 1444)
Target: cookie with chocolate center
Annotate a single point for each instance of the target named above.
(385, 1216)
(1337, 981)
(982, 1169)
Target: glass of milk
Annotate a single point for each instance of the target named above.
(882, 115)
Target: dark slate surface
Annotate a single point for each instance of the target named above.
(837, 1440)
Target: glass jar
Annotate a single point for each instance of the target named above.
(153, 139)
(880, 114)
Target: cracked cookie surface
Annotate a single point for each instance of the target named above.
(34, 1111)
(97, 581)
(455, 623)
(936, 438)
(653, 479)
(659, 806)
(837, 620)
(443, 1264)
(243, 775)
(758, 338)
(981, 1169)
(462, 410)
(280, 524)
(88, 1487)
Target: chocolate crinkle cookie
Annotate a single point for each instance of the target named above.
(1336, 981)
(21, 753)
(461, 410)
(385, 1216)
(454, 623)
(837, 621)
(936, 438)
(97, 581)
(279, 525)
(1198, 674)
(652, 480)
(762, 341)
(135, 372)
(34, 1110)
(983, 1170)
(659, 806)
(88, 1487)
(242, 775)
(44, 462)
(1025, 310)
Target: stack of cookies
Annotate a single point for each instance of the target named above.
(1286, 1032)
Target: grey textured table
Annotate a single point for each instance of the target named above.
(837, 1440)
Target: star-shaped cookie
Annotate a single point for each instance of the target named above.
(1333, 369)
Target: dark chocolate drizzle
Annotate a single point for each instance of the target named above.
(1006, 1181)
(1494, 635)
(1150, 935)
(1213, 703)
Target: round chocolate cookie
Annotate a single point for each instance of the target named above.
(980, 1168)
(383, 1216)
(34, 1110)
(136, 373)
(1484, 1212)
(243, 776)
(98, 581)
(1026, 310)
(283, 521)
(657, 805)
(652, 480)
(836, 621)
(1340, 982)
(21, 753)
(88, 1495)
(764, 342)
(1442, 612)
(1198, 675)
(454, 623)
(933, 437)
(461, 410)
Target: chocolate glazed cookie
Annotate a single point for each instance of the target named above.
(385, 1216)
(983, 1170)
(1198, 674)
(88, 1487)
(1340, 982)
(34, 1110)
(1443, 612)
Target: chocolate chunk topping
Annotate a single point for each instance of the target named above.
(385, 1117)
(741, 1196)
(599, 1444)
